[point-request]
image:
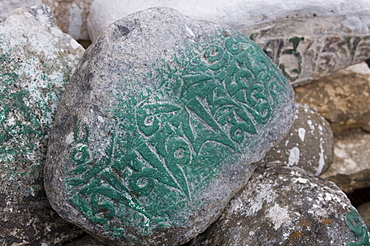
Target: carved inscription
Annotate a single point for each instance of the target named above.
(167, 144)
(304, 58)
(359, 230)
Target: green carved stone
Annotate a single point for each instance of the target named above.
(160, 126)
(358, 228)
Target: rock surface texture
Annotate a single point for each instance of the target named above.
(343, 98)
(8, 6)
(308, 145)
(159, 128)
(351, 166)
(71, 16)
(305, 39)
(86, 241)
(35, 66)
(287, 206)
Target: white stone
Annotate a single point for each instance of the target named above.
(236, 13)
(361, 68)
(305, 39)
(7, 6)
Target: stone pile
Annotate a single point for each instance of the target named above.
(161, 130)
(160, 126)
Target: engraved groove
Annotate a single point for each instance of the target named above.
(167, 144)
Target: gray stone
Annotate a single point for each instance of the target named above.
(308, 145)
(343, 98)
(160, 126)
(364, 210)
(36, 62)
(351, 166)
(287, 206)
(305, 39)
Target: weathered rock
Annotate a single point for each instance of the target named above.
(351, 166)
(305, 39)
(71, 16)
(364, 210)
(308, 145)
(343, 98)
(160, 126)
(35, 66)
(287, 206)
(7, 6)
(86, 241)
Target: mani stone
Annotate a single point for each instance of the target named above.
(351, 166)
(287, 206)
(343, 98)
(308, 145)
(159, 127)
(35, 66)
(305, 39)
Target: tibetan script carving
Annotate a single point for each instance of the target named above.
(166, 144)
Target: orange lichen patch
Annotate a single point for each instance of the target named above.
(303, 223)
(326, 221)
(295, 235)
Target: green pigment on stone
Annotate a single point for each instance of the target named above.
(169, 143)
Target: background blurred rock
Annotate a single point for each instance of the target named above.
(364, 210)
(351, 167)
(343, 98)
(8, 6)
(71, 16)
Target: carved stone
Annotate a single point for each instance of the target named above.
(305, 39)
(159, 128)
(310, 47)
(36, 63)
(287, 206)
